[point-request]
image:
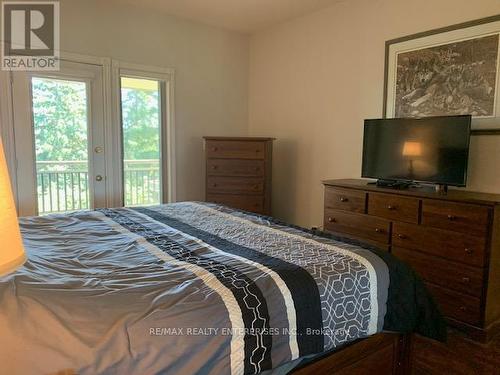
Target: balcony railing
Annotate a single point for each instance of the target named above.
(64, 185)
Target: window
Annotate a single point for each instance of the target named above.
(60, 125)
(141, 134)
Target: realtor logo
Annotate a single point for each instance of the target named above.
(30, 35)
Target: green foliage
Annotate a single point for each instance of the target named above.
(60, 127)
(60, 119)
(140, 116)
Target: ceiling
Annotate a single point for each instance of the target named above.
(246, 16)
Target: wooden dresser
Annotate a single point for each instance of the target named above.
(451, 240)
(238, 172)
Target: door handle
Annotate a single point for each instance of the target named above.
(98, 177)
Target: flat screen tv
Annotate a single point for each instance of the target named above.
(433, 149)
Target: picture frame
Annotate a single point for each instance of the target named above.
(447, 71)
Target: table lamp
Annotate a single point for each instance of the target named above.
(12, 253)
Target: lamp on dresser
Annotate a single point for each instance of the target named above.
(238, 172)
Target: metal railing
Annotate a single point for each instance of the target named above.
(141, 182)
(64, 185)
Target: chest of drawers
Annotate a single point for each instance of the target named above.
(452, 241)
(238, 172)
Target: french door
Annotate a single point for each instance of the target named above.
(59, 139)
(92, 135)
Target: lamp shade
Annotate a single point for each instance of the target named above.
(11, 246)
(412, 149)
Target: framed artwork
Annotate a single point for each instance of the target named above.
(448, 71)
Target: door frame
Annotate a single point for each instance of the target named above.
(93, 78)
(111, 70)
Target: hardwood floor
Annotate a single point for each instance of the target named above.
(459, 356)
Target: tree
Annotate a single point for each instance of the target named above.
(140, 116)
(60, 119)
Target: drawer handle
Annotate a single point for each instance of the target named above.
(463, 308)
(214, 185)
(466, 280)
(378, 230)
(214, 149)
(452, 217)
(331, 220)
(214, 167)
(401, 236)
(256, 187)
(468, 251)
(391, 207)
(343, 199)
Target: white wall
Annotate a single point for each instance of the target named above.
(211, 70)
(314, 79)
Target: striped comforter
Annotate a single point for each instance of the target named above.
(183, 288)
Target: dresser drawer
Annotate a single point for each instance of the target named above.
(456, 276)
(235, 150)
(344, 199)
(466, 218)
(235, 167)
(235, 185)
(456, 305)
(455, 246)
(252, 203)
(393, 207)
(358, 225)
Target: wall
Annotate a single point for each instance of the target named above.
(314, 79)
(211, 70)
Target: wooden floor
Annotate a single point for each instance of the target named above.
(459, 356)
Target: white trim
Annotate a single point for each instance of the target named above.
(23, 146)
(151, 71)
(109, 137)
(85, 59)
(237, 354)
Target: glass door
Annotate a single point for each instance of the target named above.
(60, 124)
(59, 140)
(141, 114)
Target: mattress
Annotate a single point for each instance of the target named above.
(195, 288)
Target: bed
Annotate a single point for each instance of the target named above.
(199, 288)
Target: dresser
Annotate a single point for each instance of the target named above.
(238, 172)
(452, 240)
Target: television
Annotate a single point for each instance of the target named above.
(430, 150)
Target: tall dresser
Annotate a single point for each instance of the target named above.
(238, 172)
(452, 241)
